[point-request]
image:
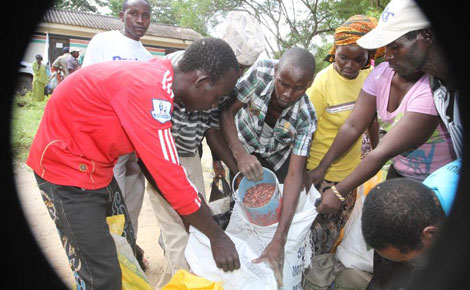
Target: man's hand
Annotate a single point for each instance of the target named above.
(223, 249)
(330, 203)
(274, 255)
(219, 170)
(314, 177)
(224, 253)
(250, 167)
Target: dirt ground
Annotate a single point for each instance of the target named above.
(48, 239)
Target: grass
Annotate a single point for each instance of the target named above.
(26, 116)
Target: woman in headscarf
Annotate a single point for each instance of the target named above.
(39, 79)
(333, 94)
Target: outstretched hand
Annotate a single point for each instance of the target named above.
(273, 254)
(313, 177)
(330, 203)
(250, 167)
(224, 252)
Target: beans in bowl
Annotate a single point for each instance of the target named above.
(259, 195)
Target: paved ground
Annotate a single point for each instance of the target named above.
(46, 234)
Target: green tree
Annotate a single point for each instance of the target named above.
(162, 10)
(194, 14)
(80, 5)
(287, 23)
(297, 23)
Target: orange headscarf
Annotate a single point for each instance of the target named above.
(350, 31)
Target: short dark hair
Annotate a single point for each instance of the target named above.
(299, 57)
(396, 212)
(125, 4)
(212, 55)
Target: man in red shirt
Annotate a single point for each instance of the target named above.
(113, 108)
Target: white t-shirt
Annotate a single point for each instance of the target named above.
(113, 45)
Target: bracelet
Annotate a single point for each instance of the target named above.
(336, 192)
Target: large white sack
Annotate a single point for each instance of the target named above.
(352, 252)
(250, 240)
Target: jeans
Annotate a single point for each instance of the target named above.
(80, 218)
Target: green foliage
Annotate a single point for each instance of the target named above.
(26, 116)
(162, 10)
(290, 23)
(320, 52)
(199, 14)
(79, 5)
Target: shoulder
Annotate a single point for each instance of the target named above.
(266, 64)
(306, 108)
(381, 68)
(175, 57)
(381, 73)
(423, 90)
(263, 69)
(324, 76)
(324, 72)
(101, 35)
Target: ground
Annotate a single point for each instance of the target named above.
(48, 239)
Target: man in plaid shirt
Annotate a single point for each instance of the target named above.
(270, 122)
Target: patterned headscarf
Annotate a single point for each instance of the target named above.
(350, 31)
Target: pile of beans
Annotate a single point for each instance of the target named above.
(259, 195)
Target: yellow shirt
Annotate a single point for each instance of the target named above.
(333, 97)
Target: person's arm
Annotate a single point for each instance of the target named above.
(70, 65)
(274, 252)
(219, 148)
(411, 131)
(56, 63)
(154, 145)
(374, 133)
(221, 245)
(355, 125)
(223, 249)
(319, 102)
(248, 164)
(35, 68)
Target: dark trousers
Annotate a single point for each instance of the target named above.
(80, 219)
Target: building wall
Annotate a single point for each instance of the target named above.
(79, 38)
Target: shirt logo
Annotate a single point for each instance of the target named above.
(386, 14)
(161, 110)
(167, 83)
(340, 108)
(117, 57)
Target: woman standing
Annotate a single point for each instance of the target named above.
(39, 79)
(333, 94)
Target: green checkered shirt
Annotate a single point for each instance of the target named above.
(293, 131)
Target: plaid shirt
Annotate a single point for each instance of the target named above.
(293, 131)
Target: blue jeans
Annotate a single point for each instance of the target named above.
(80, 219)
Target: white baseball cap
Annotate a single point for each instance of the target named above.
(398, 18)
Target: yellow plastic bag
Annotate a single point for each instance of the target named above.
(183, 280)
(133, 277)
(373, 181)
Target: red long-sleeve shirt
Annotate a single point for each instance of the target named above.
(106, 110)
